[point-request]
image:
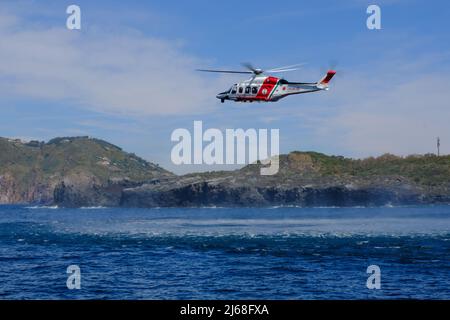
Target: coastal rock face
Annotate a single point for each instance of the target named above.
(229, 192)
(80, 172)
(206, 195)
(11, 191)
(89, 191)
(306, 179)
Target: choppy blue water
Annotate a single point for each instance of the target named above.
(218, 253)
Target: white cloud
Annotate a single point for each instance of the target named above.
(389, 110)
(127, 73)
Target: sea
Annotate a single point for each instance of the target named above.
(285, 253)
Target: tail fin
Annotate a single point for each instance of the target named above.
(325, 80)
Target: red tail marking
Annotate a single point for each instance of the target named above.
(328, 77)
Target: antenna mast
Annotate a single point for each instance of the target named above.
(438, 146)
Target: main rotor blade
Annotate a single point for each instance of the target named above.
(281, 70)
(287, 68)
(224, 71)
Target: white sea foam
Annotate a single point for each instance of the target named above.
(43, 207)
(254, 222)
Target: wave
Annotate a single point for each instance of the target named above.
(389, 205)
(187, 235)
(306, 245)
(57, 207)
(342, 223)
(43, 207)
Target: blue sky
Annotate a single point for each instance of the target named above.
(128, 76)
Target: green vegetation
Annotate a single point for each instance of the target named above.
(33, 164)
(428, 169)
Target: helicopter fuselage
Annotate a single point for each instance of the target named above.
(263, 88)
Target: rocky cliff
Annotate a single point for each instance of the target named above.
(82, 171)
(307, 179)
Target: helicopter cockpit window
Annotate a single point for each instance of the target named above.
(247, 90)
(254, 90)
(233, 90)
(241, 89)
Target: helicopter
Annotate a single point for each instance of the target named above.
(266, 88)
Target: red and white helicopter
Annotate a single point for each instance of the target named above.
(263, 88)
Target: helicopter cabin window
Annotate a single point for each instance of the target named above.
(247, 90)
(241, 89)
(233, 90)
(254, 90)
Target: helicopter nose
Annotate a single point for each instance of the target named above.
(221, 96)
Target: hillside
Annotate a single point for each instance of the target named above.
(38, 172)
(82, 171)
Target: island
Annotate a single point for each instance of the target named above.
(84, 172)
